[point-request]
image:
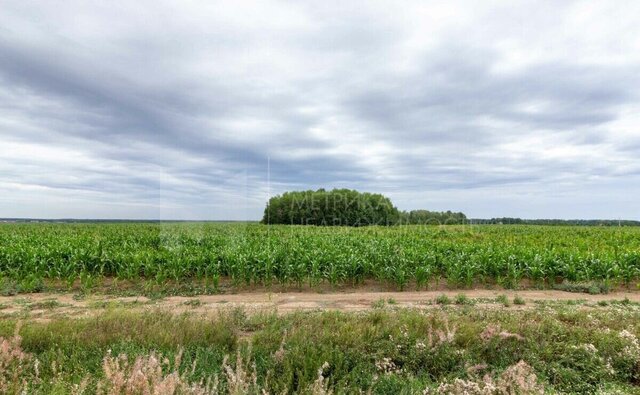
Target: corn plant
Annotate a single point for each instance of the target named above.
(284, 254)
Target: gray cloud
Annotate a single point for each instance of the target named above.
(174, 110)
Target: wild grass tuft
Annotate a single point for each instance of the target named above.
(443, 300)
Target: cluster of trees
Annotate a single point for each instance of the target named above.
(339, 207)
(425, 217)
(346, 207)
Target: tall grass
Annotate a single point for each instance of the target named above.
(384, 351)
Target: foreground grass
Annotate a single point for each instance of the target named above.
(384, 351)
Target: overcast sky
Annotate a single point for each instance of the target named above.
(201, 110)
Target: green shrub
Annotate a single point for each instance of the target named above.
(379, 304)
(503, 300)
(462, 299)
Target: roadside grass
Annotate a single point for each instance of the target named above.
(503, 300)
(154, 289)
(590, 287)
(518, 300)
(47, 304)
(379, 304)
(382, 351)
(115, 304)
(193, 303)
(462, 299)
(443, 300)
(382, 303)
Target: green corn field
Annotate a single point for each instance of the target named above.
(259, 254)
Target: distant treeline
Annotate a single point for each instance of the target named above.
(575, 222)
(346, 207)
(425, 217)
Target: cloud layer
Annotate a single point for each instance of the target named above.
(191, 110)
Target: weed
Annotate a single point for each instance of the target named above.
(593, 288)
(462, 299)
(79, 296)
(503, 300)
(193, 303)
(47, 304)
(443, 300)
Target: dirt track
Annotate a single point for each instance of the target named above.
(355, 301)
(48, 305)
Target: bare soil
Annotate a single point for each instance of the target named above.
(45, 306)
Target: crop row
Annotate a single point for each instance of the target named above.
(253, 253)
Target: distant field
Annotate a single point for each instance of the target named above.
(257, 254)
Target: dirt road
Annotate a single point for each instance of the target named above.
(48, 305)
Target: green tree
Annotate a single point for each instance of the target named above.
(339, 207)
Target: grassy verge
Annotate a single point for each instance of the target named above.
(154, 288)
(382, 351)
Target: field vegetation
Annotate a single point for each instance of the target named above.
(32, 255)
(446, 350)
(454, 344)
